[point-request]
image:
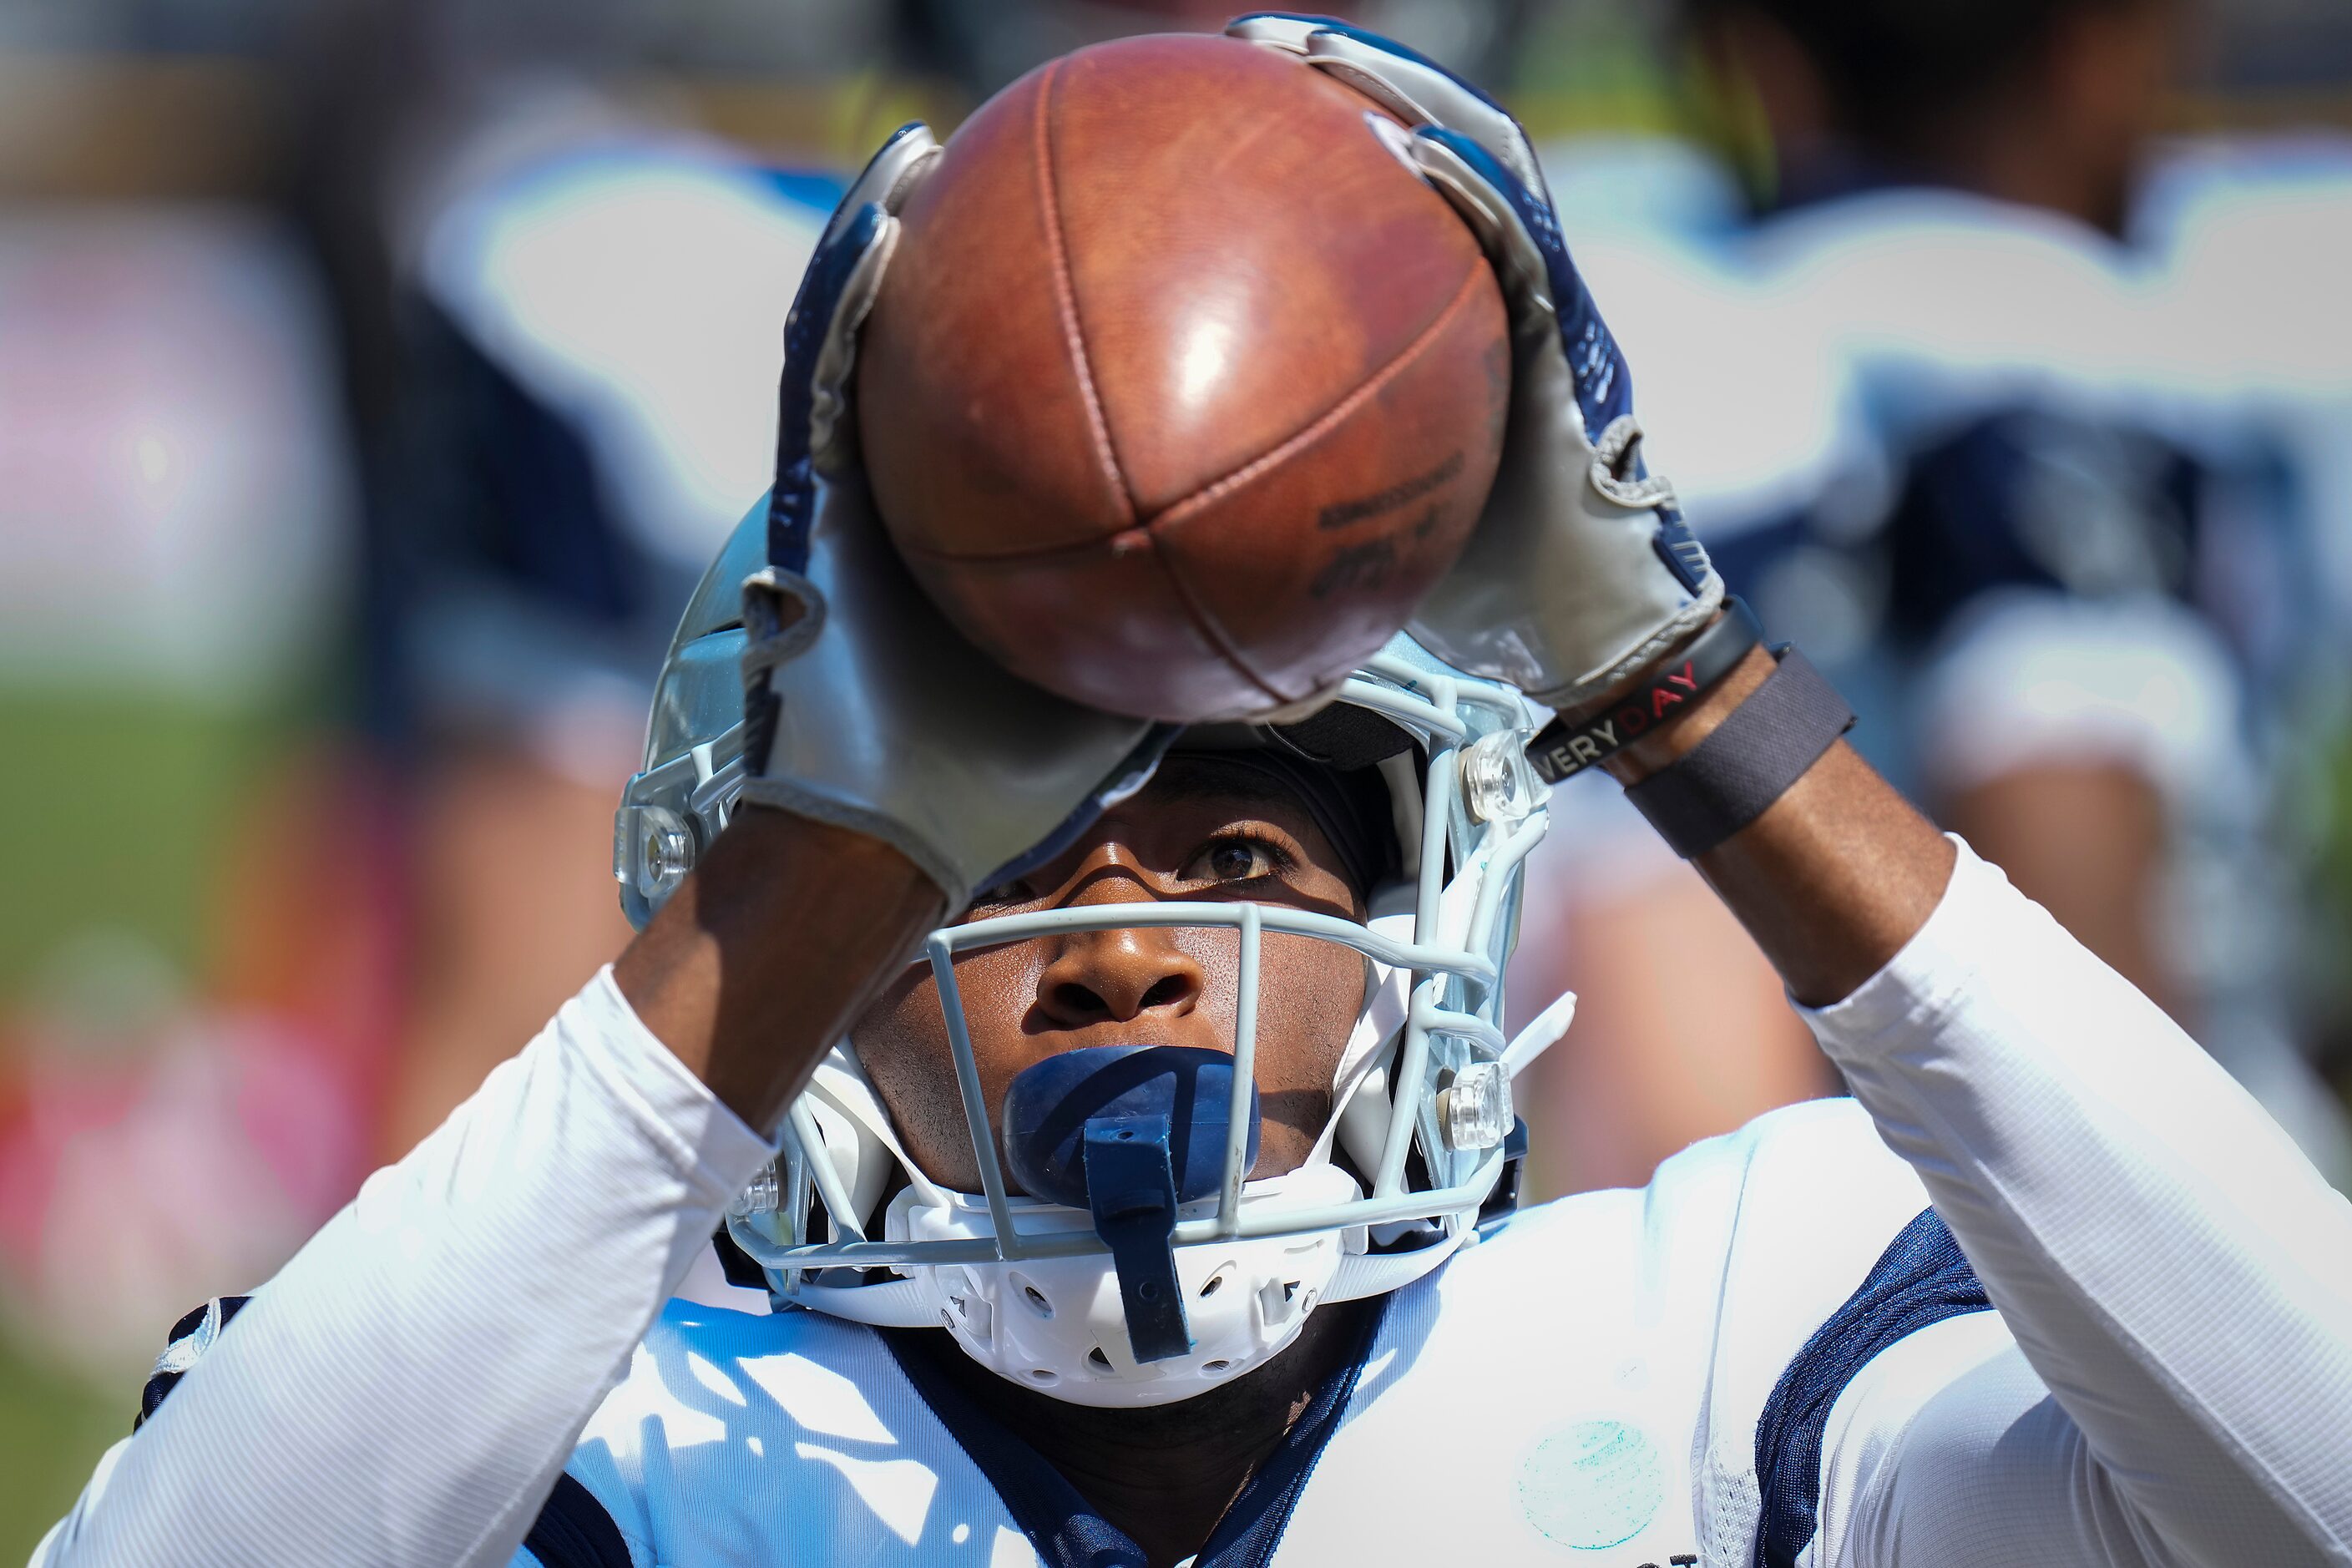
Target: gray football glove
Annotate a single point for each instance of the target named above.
(862, 707)
(1581, 572)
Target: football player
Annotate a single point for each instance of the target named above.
(1993, 494)
(1192, 1135)
(2058, 638)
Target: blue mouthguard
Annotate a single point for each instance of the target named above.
(1128, 1132)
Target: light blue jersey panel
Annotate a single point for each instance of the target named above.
(784, 1439)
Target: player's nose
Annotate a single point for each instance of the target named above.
(1118, 976)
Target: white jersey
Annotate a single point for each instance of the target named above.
(1775, 1355)
(1597, 1368)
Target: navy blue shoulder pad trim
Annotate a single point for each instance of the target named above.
(1920, 1279)
(190, 1338)
(574, 1532)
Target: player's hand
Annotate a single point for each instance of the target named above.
(1581, 572)
(862, 707)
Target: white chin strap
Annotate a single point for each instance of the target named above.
(1057, 1325)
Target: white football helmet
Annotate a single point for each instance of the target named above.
(1422, 1144)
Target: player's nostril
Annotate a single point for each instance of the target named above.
(1077, 1001)
(1167, 991)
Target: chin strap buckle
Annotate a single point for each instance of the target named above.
(1131, 1192)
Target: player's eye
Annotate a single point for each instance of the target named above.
(1004, 893)
(1236, 859)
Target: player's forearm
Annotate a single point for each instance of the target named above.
(781, 936)
(404, 1392)
(2176, 1272)
(1834, 877)
(406, 1389)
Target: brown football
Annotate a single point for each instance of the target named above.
(1181, 388)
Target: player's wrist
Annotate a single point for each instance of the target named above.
(1680, 731)
(1736, 759)
(1652, 703)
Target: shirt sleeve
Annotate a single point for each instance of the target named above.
(2177, 1278)
(404, 1392)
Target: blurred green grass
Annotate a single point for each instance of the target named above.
(114, 810)
(53, 1426)
(112, 814)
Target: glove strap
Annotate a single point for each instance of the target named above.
(1750, 760)
(1563, 748)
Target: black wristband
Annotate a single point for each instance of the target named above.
(1765, 745)
(1562, 749)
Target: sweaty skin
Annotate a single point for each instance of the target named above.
(1195, 833)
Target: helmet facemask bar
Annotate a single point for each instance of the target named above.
(1449, 1055)
(1431, 967)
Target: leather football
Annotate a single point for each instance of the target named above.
(1181, 387)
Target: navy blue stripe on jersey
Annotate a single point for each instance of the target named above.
(574, 1532)
(1920, 1279)
(190, 1337)
(1066, 1530)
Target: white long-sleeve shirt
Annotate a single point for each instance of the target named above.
(2168, 1380)
(2177, 1275)
(406, 1388)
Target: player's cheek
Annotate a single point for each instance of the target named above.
(1216, 952)
(1308, 999)
(902, 1042)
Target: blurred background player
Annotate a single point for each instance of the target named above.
(563, 314)
(413, 290)
(323, 333)
(2007, 496)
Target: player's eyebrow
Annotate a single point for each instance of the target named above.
(1195, 779)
